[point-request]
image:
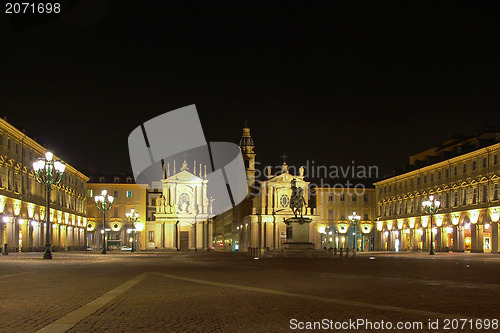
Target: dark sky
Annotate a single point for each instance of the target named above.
(332, 82)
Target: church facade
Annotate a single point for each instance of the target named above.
(259, 220)
(183, 210)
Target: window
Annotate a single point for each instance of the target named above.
(439, 175)
(90, 193)
(129, 194)
(330, 198)
(447, 173)
(115, 194)
(464, 196)
(116, 179)
(484, 196)
(17, 148)
(342, 198)
(115, 211)
(464, 168)
(354, 198)
(474, 195)
(456, 170)
(366, 198)
(366, 216)
(330, 214)
(425, 179)
(495, 192)
(473, 165)
(151, 236)
(129, 180)
(102, 179)
(455, 199)
(495, 159)
(9, 143)
(153, 202)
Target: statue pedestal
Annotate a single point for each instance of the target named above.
(297, 234)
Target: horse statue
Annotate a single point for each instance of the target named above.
(297, 200)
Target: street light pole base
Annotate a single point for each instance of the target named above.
(103, 252)
(47, 255)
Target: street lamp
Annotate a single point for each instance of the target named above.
(104, 202)
(431, 207)
(48, 172)
(354, 219)
(133, 216)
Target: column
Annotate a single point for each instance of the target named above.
(495, 242)
(474, 235)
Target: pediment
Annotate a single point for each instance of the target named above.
(184, 175)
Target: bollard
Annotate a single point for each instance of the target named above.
(5, 250)
(341, 250)
(354, 253)
(335, 251)
(347, 252)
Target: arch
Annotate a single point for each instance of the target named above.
(484, 217)
(464, 218)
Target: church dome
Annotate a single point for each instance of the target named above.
(246, 139)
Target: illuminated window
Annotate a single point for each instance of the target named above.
(90, 193)
(129, 194)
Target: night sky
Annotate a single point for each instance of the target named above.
(331, 82)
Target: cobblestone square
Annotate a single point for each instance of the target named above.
(232, 292)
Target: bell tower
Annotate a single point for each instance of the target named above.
(247, 150)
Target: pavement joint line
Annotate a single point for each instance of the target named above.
(66, 322)
(10, 275)
(322, 299)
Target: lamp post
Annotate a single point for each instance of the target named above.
(104, 202)
(48, 172)
(431, 207)
(354, 219)
(133, 216)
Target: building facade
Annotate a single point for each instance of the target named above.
(258, 221)
(182, 211)
(23, 199)
(118, 228)
(463, 174)
(335, 206)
